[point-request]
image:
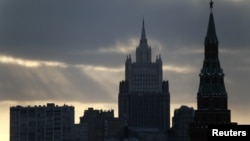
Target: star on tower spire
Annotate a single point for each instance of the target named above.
(211, 5)
(211, 37)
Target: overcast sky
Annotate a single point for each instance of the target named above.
(73, 52)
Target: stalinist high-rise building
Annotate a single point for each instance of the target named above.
(144, 99)
(212, 98)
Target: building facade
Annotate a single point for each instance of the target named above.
(212, 105)
(41, 123)
(144, 99)
(80, 132)
(180, 123)
(101, 125)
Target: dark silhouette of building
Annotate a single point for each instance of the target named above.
(101, 125)
(180, 123)
(80, 132)
(41, 123)
(125, 134)
(144, 99)
(212, 96)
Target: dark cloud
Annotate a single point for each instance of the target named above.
(55, 30)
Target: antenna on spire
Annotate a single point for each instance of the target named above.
(211, 5)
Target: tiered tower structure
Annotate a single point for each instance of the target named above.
(144, 99)
(212, 98)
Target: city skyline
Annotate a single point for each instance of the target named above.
(61, 56)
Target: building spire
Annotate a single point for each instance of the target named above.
(143, 51)
(211, 5)
(143, 33)
(211, 37)
(211, 76)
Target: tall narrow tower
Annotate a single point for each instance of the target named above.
(144, 99)
(212, 105)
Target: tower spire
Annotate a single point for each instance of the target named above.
(211, 37)
(211, 73)
(211, 5)
(143, 33)
(143, 51)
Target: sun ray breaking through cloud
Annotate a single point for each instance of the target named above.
(28, 63)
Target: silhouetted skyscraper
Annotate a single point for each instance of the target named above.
(212, 96)
(144, 99)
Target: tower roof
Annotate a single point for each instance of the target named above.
(211, 37)
(212, 76)
(143, 51)
(143, 33)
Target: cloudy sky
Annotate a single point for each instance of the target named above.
(73, 52)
